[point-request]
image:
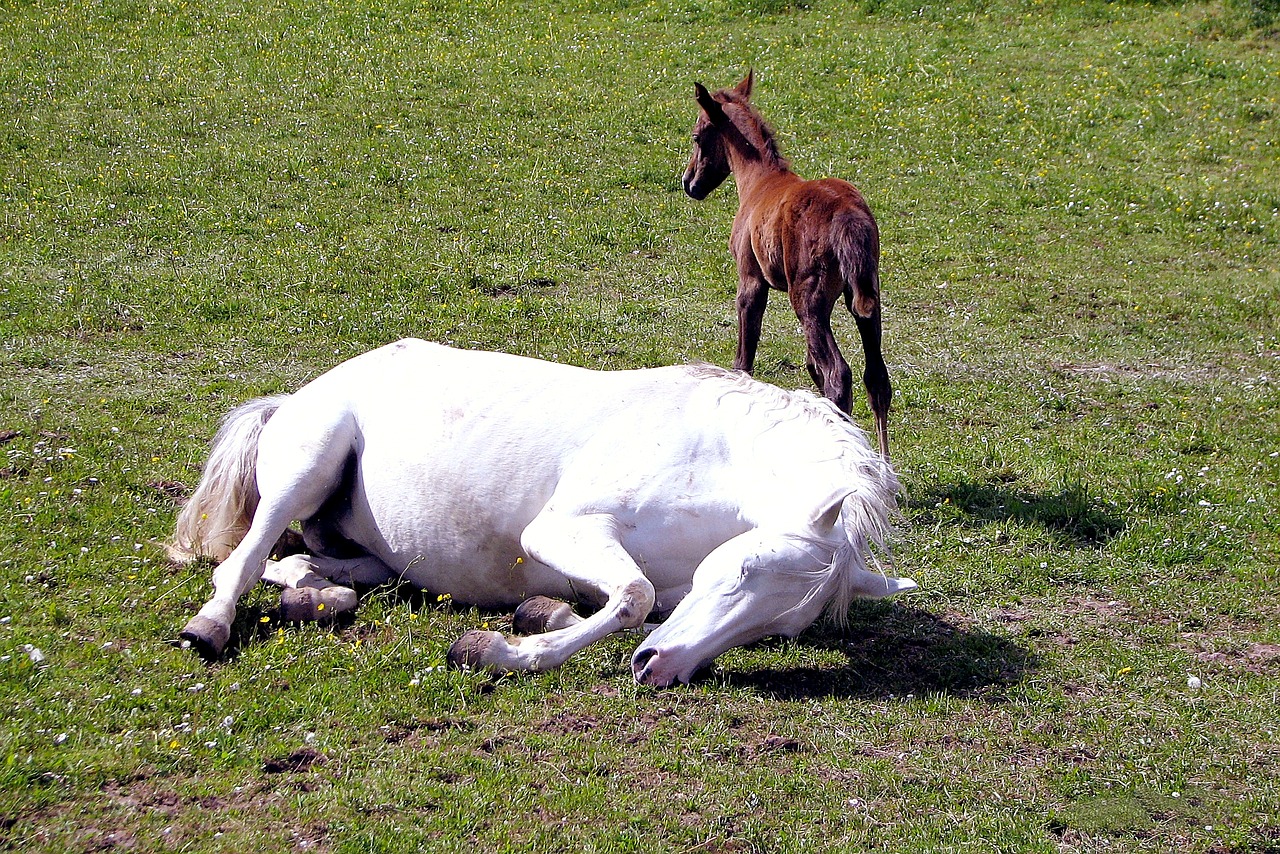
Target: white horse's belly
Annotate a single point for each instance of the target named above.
(451, 473)
(472, 549)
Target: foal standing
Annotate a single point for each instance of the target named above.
(816, 240)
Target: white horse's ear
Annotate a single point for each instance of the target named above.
(828, 518)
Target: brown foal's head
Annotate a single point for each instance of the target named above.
(709, 162)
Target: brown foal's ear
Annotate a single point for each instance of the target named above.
(709, 105)
(747, 84)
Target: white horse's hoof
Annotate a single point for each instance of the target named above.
(312, 605)
(208, 637)
(541, 614)
(468, 652)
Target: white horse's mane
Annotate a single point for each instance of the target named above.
(871, 505)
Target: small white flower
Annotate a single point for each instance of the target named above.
(34, 653)
(1193, 682)
(60, 738)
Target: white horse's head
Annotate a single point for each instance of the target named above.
(759, 584)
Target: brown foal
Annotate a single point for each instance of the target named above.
(816, 240)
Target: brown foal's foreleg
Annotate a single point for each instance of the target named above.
(876, 376)
(753, 296)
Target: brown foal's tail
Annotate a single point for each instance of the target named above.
(218, 514)
(857, 249)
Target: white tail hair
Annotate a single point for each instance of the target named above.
(218, 514)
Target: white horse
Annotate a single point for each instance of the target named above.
(734, 509)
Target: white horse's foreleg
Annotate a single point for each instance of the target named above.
(588, 552)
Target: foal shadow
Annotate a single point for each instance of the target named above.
(893, 650)
(1070, 514)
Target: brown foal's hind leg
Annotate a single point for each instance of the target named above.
(876, 376)
(829, 369)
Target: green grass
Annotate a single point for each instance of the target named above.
(1081, 227)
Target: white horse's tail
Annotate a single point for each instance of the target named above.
(219, 512)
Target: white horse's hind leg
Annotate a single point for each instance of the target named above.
(315, 587)
(587, 551)
(299, 464)
(210, 629)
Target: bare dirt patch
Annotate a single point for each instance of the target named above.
(1260, 659)
(296, 762)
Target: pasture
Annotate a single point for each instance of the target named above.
(1079, 205)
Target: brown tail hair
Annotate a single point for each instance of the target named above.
(857, 249)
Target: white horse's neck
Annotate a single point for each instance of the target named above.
(818, 457)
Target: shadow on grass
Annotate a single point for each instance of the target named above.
(894, 650)
(1071, 513)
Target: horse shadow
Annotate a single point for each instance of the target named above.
(894, 650)
(1071, 514)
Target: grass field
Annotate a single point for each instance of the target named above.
(1080, 210)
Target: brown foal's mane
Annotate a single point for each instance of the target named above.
(757, 132)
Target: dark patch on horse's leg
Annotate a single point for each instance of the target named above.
(875, 376)
(753, 298)
(542, 614)
(321, 532)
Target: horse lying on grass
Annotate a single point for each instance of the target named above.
(733, 508)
